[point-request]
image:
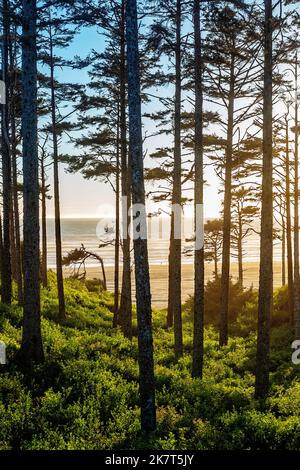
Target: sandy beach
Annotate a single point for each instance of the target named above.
(159, 279)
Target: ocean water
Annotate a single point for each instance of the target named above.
(91, 232)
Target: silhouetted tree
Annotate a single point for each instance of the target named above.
(265, 299)
(32, 348)
(6, 287)
(142, 278)
(199, 183)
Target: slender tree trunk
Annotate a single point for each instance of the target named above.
(32, 348)
(125, 315)
(44, 267)
(142, 277)
(170, 313)
(296, 217)
(13, 258)
(1, 245)
(289, 225)
(216, 265)
(265, 300)
(103, 274)
(19, 276)
(227, 215)
(176, 198)
(15, 197)
(6, 291)
(283, 250)
(117, 242)
(240, 253)
(58, 242)
(199, 227)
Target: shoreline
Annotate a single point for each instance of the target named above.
(159, 279)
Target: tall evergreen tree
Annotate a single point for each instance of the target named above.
(15, 138)
(244, 211)
(142, 277)
(199, 183)
(32, 348)
(232, 69)
(266, 248)
(6, 288)
(44, 188)
(287, 165)
(56, 35)
(58, 240)
(125, 313)
(296, 296)
(213, 239)
(176, 244)
(166, 39)
(109, 141)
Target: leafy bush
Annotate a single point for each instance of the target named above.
(85, 396)
(238, 297)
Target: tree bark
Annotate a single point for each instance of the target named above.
(176, 196)
(199, 230)
(265, 299)
(32, 348)
(117, 242)
(125, 312)
(6, 290)
(142, 277)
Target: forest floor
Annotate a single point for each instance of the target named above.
(159, 279)
(85, 395)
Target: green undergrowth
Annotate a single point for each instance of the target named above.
(85, 395)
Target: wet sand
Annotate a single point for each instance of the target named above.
(159, 279)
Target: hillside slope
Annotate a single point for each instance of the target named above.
(85, 396)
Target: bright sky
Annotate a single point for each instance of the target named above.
(86, 198)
